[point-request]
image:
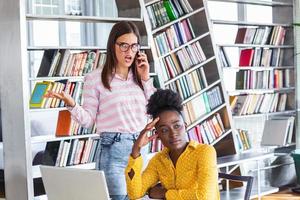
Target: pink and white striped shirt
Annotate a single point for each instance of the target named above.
(123, 109)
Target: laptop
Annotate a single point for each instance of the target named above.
(74, 184)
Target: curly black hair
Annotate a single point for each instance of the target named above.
(163, 100)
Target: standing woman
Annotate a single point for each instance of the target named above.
(115, 99)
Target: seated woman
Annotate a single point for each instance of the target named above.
(185, 170)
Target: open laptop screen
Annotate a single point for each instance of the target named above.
(76, 184)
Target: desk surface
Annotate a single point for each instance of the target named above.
(238, 193)
(243, 157)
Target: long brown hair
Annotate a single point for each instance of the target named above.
(109, 67)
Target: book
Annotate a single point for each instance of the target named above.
(239, 82)
(51, 153)
(37, 99)
(54, 63)
(223, 58)
(233, 101)
(291, 130)
(64, 123)
(170, 10)
(276, 131)
(65, 53)
(240, 35)
(246, 57)
(46, 62)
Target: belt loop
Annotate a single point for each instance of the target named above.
(117, 137)
(135, 136)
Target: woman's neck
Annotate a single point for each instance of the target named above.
(175, 154)
(122, 71)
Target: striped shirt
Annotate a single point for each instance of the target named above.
(123, 109)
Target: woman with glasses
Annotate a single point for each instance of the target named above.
(184, 170)
(115, 98)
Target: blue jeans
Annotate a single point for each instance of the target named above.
(112, 157)
(119, 197)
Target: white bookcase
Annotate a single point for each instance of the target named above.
(245, 13)
(18, 73)
(164, 52)
(281, 13)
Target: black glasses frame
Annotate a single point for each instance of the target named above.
(135, 47)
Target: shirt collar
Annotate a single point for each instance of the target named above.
(191, 146)
(129, 77)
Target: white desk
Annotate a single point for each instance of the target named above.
(238, 193)
(226, 161)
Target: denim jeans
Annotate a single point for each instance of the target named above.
(119, 197)
(112, 157)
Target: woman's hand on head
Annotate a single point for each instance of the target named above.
(143, 138)
(142, 66)
(69, 101)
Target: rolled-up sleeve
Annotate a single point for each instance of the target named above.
(86, 114)
(140, 182)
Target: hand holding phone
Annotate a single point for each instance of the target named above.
(142, 65)
(138, 56)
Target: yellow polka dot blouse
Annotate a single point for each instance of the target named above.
(194, 177)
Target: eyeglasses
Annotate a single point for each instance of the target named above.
(125, 46)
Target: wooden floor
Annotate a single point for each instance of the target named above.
(282, 195)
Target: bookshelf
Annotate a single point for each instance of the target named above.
(21, 141)
(259, 69)
(186, 63)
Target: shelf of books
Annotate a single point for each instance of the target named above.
(72, 152)
(186, 63)
(258, 67)
(259, 2)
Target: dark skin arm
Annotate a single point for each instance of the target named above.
(143, 139)
(157, 192)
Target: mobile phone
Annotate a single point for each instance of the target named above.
(138, 54)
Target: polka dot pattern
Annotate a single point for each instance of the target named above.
(194, 177)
